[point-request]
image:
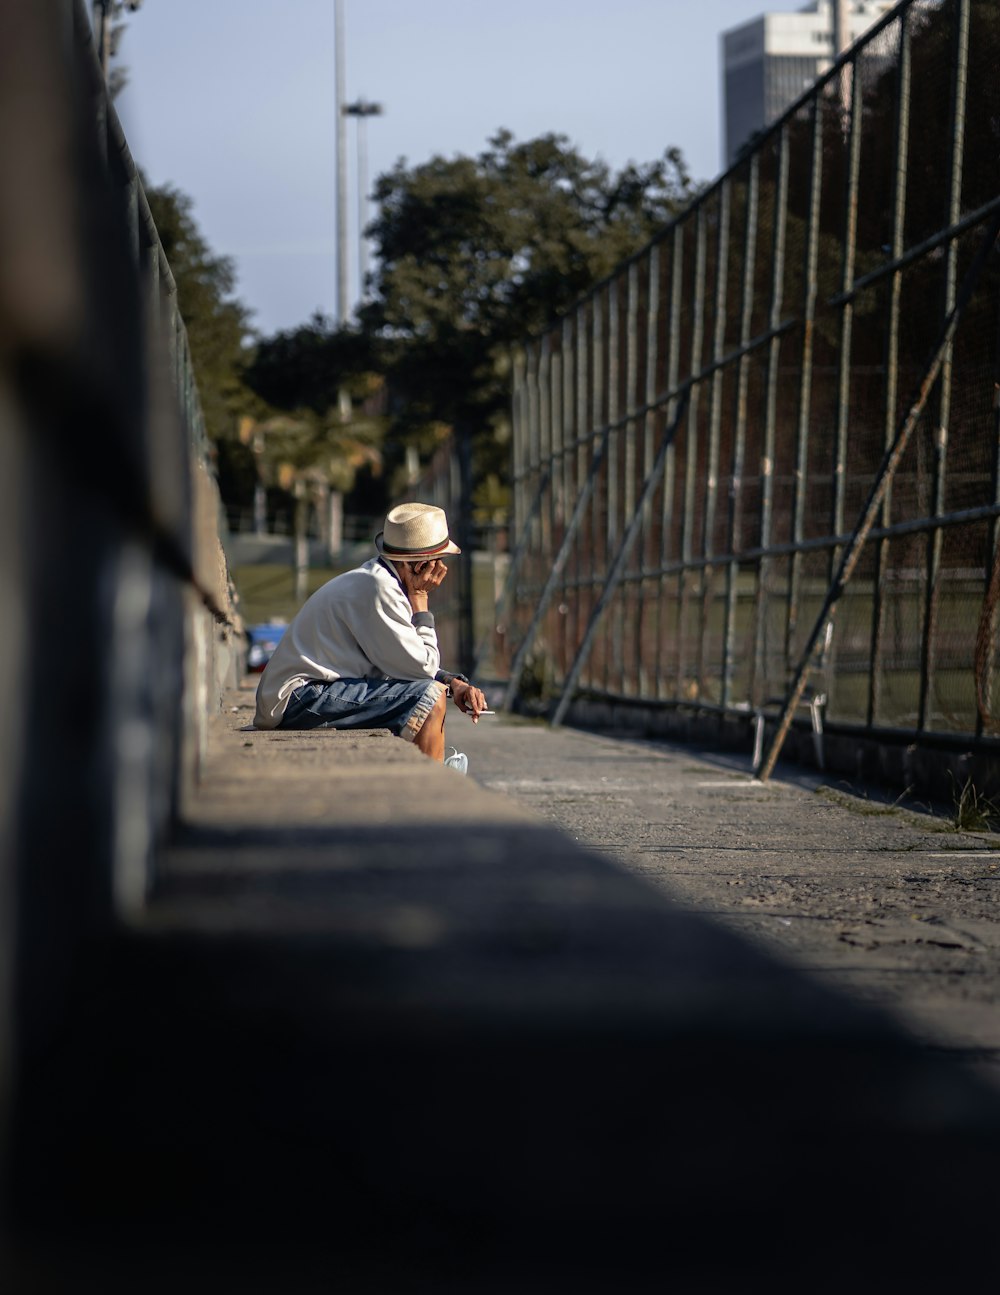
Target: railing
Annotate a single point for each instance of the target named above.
(118, 633)
(780, 416)
(118, 610)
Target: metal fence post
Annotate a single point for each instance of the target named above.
(544, 381)
(630, 456)
(585, 424)
(758, 680)
(518, 433)
(714, 425)
(673, 367)
(562, 485)
(934, 538)
(556, 448)
(987, 647)
(652, 325)
(882, 548)
(740, 430)
(612, 480)
(846, 318)
(563, 468)
(810, 287)
(690, 451)
(599, 418)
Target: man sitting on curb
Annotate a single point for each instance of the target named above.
(362, 652)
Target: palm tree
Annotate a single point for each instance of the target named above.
(316, 458)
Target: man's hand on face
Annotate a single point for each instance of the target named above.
(468, 699)
(419, 578)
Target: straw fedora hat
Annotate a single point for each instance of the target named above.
(414, 533)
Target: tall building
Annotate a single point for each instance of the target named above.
(768, 62)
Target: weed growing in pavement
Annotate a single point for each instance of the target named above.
(973, 811)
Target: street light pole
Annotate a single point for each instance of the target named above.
(360, 111)
(341, 166)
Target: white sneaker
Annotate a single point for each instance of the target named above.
(456, 760)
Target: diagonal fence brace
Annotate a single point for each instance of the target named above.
(617, 570)
(869, 513)
(562, 557)
(520, 548)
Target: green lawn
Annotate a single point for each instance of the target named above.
(267, 592)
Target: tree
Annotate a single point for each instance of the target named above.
(314, 457)
(108, 31)
(323, 424)
(217, 322)
(474, 253)
(309, 366)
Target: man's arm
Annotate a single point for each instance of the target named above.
(419, 579)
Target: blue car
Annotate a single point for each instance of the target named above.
(263, 640)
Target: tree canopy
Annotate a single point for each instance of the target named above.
(474, 253)
(309, 366)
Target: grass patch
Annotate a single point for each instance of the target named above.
(974, 812)
(267, 590)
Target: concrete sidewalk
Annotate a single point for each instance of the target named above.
(882, 899)
(384, 1029)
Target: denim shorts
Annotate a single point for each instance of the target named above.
(395, 704)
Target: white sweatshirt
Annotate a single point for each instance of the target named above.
(359, 625)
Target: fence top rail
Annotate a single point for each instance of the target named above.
(90, 65)
(170, 544)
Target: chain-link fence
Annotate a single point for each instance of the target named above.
(764, 454)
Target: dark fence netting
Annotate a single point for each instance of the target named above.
(759, 465)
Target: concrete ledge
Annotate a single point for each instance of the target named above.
(350, 781)
(381, 1029)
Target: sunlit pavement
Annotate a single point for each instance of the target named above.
(879, 897)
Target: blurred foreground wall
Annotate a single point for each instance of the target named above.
(116, 624)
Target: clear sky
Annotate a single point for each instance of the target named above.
(233, 102)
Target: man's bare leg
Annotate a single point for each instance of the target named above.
(430, 737)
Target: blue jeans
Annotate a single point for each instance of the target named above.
(399, 705)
